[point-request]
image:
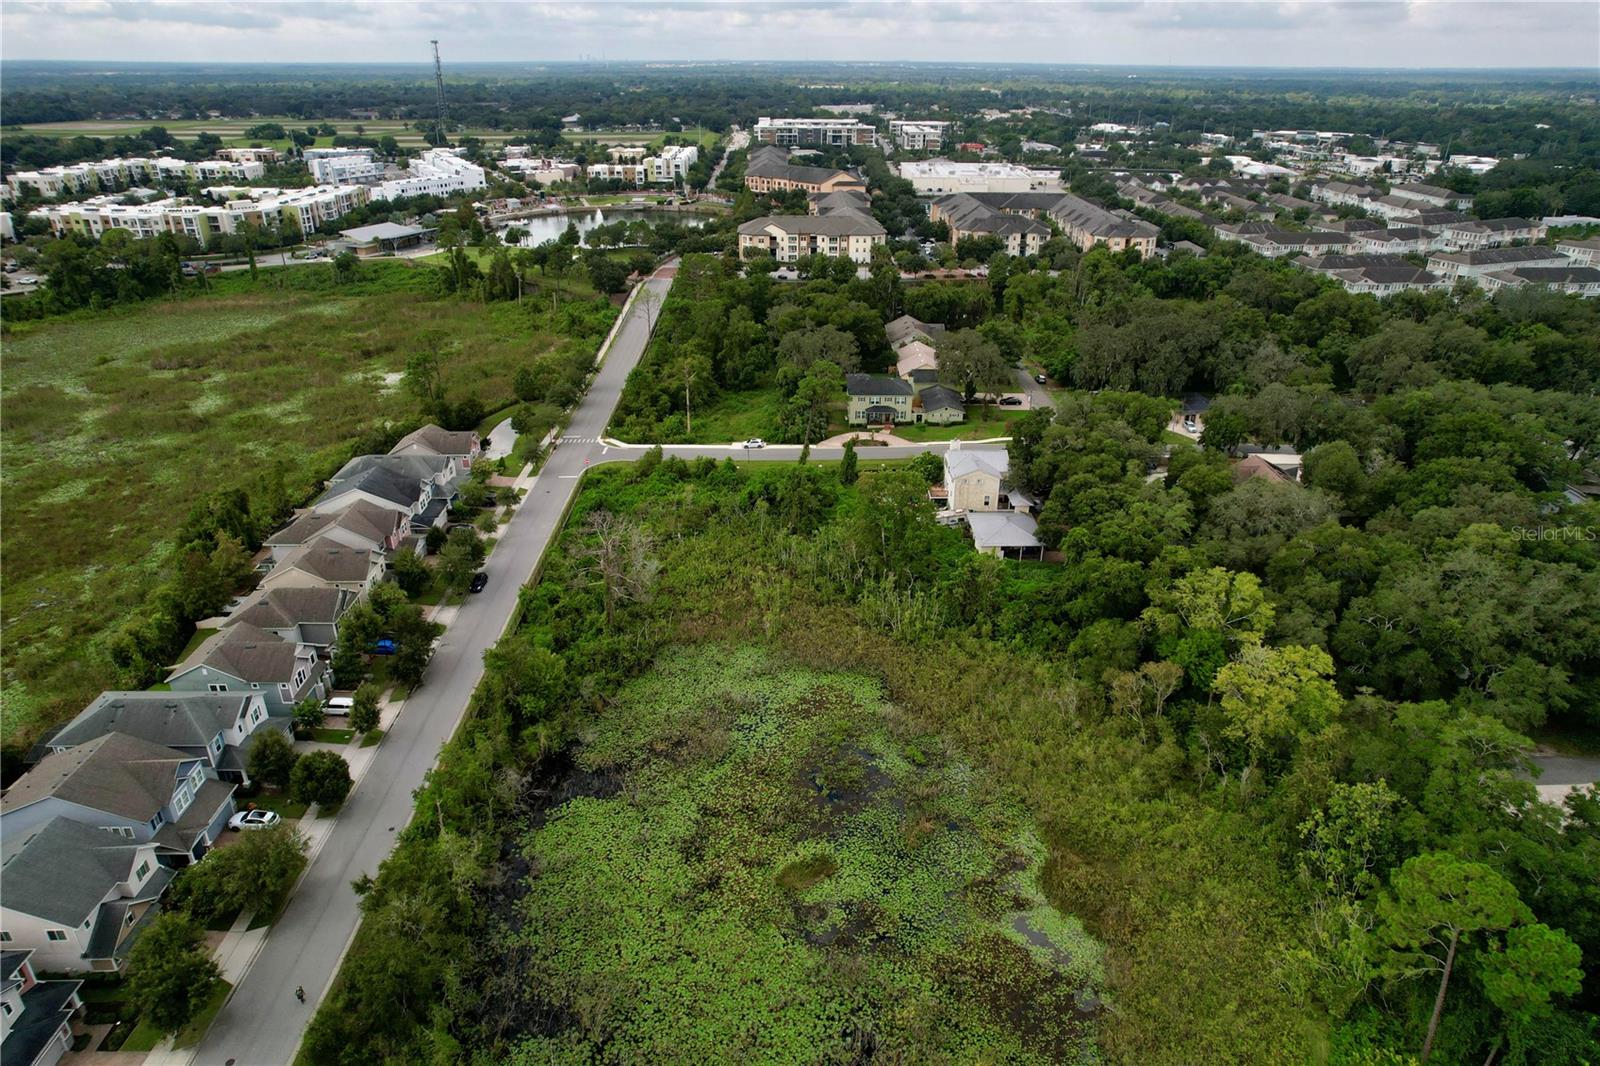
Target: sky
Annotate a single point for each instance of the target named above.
(1300, 33)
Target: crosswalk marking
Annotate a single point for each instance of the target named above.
(579, 440)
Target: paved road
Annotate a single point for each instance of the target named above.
(1560, 774)
(262, 1024)
(1038, 395)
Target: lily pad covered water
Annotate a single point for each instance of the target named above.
(776, 872)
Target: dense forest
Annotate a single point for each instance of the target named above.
(1274, 737)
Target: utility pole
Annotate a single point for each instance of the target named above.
(438, 81)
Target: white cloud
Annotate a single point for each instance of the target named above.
(1376, 33)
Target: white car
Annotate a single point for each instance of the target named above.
(27, 279)
(754, 442)
(254, 820)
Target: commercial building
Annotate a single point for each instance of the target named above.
(769, 170)
(835, 132)
(942, 177)
(385, 238)
(436, 172)
(631, 174)
(917, 136)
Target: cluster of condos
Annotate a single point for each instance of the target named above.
(140, 784)
(911, 134)
(347, 179)
(1366, 253)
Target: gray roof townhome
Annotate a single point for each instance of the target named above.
(77, 896)
(245, 658)
(300, 614)
(217, 727)
(363, 524)
(905, 329)
(141, 791)
(421, 485)
(325, 562)
(35, 1016)
(436, 440)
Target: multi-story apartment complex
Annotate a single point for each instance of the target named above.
(1088, 225)
(545, 171)
(672, 164)
(789, 237)
(1584, 252)
(356, 166)
(1582, 280)
(1488, 233)
(1474, 263)
(917, 135)
(205, 222)
(111, 174)
(835, 132)
(1343, 194)
(769, 170)
(1003, 216)
(628, 173)
(436, 172)
(249, 155)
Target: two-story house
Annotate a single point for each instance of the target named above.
(361, 525)
(299, 614)
(998, 513)
(464, 445)
(217, 727)
(75, 895)
(876, 399)
(421, 485)
(244, 658)
(130, 787)
(35, 1015)
(326, 563)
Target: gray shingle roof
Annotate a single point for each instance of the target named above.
(1499, 256)
(329, 560)
(771, 161)
(438, 440)
(287, 606)
(840, 224)
(61, 871)
(171, 719)
(383, 484)
(115, 773)
(247, 653)
(875, 385)
(940, 398)
(369, 520)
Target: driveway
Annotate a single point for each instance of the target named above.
(262, 1024)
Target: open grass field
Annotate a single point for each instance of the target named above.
(116, 423)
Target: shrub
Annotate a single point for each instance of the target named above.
(322, 777)
(272, 759)
(364, 715)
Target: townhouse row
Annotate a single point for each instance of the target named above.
(265, 208)
(111, 174)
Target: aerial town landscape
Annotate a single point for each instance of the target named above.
(737, 533)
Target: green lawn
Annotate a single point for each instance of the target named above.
(280, 802)
(145, 1036)
(981, 424)
(192, 1033)
(333, 736)
(114, 424)
(372, 738)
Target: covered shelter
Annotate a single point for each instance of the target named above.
(386, 238)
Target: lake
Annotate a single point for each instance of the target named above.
(543, 228)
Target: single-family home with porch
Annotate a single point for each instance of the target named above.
(326, 563)
(301, 614)
(35, 1016)
(937, 405)
(976, 479)
(244, 658)
(77, 896)
(361, 525)
(219, 727)
(421, 485)
(127, 786)
(876, 400)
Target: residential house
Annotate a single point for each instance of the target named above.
(768, 170)
(130, 787)
(876, 400)
(1577, 280)
(790, 237)
(915, 355)
(1488, 233)
(1274, 466)
(1388, 280)
(936, 404)
(969, 217)
(1432, 218)
(300, 614)
(361, 525)
(219, 728)
(244, 658)
(1343, 194)
(905, 329)
(1328, 264)
(1005, 534)
(35, 1016)
(1347, 225)
(421, 485)
(325, 562)
(977, 479)
(1397, 240)
(1291, 204)
(1280, 243)
(1474, 263)
(77, 896)
(1585, 252)
(1432, 195)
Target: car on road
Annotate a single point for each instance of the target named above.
(1040, 378)
(1011, 401)
(27, 279)
(254, 820)
(480, 581)
(754, 442)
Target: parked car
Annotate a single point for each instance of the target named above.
(27, 279)
(384, 646)
(339, 705)
(254, 820)
(1040, 378)
(1189, 423)
(480, 581)
(755, 442)
(1011, 401)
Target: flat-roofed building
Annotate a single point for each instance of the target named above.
(436, 172)
(942, 177)
(835, 132)
(918, 135)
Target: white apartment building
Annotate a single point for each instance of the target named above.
(916, 136)
(1582, 252)
(1488, 233)
(672, 164)
(837, 132)
(355, 166)
(205, 222)
(543, 170)
(627, 173)
(941, 177)
(1475, 263)
(436, 172)
(120, 173)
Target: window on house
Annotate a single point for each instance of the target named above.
(5, 937)
(55, 934)
(144, 868)
(217, 688)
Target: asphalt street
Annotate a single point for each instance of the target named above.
(262, 1023)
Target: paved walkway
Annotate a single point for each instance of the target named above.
(262, 1024)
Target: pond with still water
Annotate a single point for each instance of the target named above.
(543, 228)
